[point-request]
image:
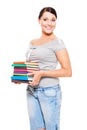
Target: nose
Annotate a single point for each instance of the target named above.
(49, 22)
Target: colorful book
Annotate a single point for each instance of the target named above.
(15, 77)
(18, 74)
(19, 81)
(21, 70)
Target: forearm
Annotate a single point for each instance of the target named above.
(57, 73)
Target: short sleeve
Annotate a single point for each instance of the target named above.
(59, 45)
(27, 52)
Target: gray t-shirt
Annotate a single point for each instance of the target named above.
(45, 55)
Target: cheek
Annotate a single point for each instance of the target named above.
(54, 24)
(43, 24)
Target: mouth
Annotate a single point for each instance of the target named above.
(48, 28)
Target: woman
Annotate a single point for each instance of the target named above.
(44, 91)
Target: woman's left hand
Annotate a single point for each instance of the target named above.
(36, 77)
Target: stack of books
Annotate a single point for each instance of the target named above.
(21, 71)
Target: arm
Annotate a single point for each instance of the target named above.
(65, 70)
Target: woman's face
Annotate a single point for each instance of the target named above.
(47, 22)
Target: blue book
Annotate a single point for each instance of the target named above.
(21, 77)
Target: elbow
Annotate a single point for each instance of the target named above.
(69, 73)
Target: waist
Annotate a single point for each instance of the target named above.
(47, 81)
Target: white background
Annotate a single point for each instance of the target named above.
(18, 25)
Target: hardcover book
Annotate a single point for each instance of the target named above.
(21, 70)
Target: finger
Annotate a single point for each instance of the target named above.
(30, 74)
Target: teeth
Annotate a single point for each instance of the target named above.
(48, 28)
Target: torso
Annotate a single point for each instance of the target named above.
(43, 51)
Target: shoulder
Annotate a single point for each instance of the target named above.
(34, 41)
(59, 44)
(59, 40)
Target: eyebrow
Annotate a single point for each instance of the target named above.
(47, 17)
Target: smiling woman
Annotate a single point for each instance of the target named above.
(44, 91)
(47, 19)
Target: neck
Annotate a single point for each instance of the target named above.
(48, 36)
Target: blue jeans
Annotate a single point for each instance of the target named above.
(44, 107)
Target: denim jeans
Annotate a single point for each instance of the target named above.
(44, 107)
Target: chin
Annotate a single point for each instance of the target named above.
(48, 33)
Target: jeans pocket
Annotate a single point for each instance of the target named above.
(50, 92)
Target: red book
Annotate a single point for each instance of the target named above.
(19, 81)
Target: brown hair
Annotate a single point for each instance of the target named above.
(47, 9)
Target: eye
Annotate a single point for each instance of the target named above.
(53, 20)
(45, 19)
